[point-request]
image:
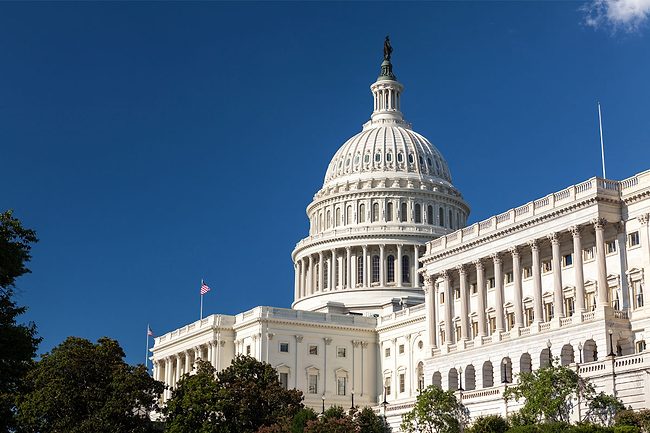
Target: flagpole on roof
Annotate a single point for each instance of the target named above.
(201, 311)
(602, 146)
(146, 352)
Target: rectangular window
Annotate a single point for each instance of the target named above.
(492, 321)
(474, 329)
(402, 382)
(457, 293)
(340, 352)
(491, 283)
(508, 277)
(588, 253)
(547, 266)
(567, 260)
(387, 383)
(640, 346)
(442, 336)
(528, 272)
(401, 349)
(341, 383)
(548, 311)
(529, 316)
(633, 239)
(510, 318)
(387, 352)
(284, 347)
(610, 247)
(284, 380)
(569, 306)
(442, 297)
(248, 350)
(313, 349)
(472, 288)
(457, 329)
(313, 384)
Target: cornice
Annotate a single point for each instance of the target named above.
(322, 325)
(410, 320)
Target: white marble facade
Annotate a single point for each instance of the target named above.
(393, 291)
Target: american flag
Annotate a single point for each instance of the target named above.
(149, 331)
(204, 288)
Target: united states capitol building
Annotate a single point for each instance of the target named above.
(394, 292)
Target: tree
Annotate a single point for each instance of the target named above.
(603, 408)
(193, 406)
(369, 422)
(489, 424)
(435, 411)
(549, 393)
(18, 342)
(244, 397)
(81, 387)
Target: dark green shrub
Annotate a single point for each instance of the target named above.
(489, 424)
(627, 429)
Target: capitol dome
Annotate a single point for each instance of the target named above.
(387, 191)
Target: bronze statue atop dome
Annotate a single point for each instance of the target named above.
(387, 49)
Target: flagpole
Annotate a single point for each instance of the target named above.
(201, 313)
(146, 352)
(602, 146)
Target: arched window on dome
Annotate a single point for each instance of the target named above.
(362, 213)
(326, 274)
(317, 279)
(360, 269)
(430, 214)
(375, 269)
(389, 211)
(406, 269)
(390, 266)
(411, 159)
(328, 220)
(337, 217)
(375, 212)
(348, 215)
(400, 157)
(441, 217)
(418, 213)
(403, 214)
(320, 221)
(450, 219)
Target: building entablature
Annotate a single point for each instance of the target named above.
(259, 315)
(204, 328)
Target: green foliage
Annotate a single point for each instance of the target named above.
(241, 399)
(193, 406)
(336, 412)
(603, 409)
(639, 419)
(81, 387)
(369, 422)
(549, 394)
(435, 411)
(18, 342)
(626, 429)
(489, 424)
(300, 419)
(332, 424)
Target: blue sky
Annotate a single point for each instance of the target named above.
(154, 144)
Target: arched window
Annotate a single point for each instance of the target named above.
(452, 379)
(406, 270)
(418, 213)
(348, 215)
(488, 375)
(430, 214)
(441, 217)
(375, 269)
(525, 363)
(450, 222)
(566, 355)
(470, 378)
(389, 211)
(403, 213)
(337, 217)
(360, 269)
(328, 220)
(362, 213)
(436, 379)
(320, 221)
(326, 274)
(390, 266)
(316, 273)
(506, 370)
(375, 212)
(420, 371)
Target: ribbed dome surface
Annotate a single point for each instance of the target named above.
(387, 148)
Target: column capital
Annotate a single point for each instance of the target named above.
(554, 238)
(364, 344)
(599, 223)
(462, 269)
(479, 264)
(428, 281)
(320, 255)
(445, 275)
(327, 341)
(270, 336)
(356, 343)
(298, 338)
(575, 231)
(514, 250)
(533, 244)
(222, 343)
(496, 258)
(643, 219)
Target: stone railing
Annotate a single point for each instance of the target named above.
(416, 310)
(589, 188)
(210, 322)
(373, 228)
(303, 316)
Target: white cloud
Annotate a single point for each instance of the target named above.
(626, 15)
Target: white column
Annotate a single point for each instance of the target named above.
(516, 273)
(398, 265)
(558, 297)
(210, 347)
(310, 276)
(321, 280)
(430, 305)
(178, 370)
(303, 278)
(498, 291)
(599, 227)
(464, 302)
(578, 268)
(416, 265)
(382, 266)
(538, 311)
(332, 268)
(168, 376)
(365, 266)
(348, 267)
(188, 363)
(296, 282)
(481, 289)
(449, 302)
